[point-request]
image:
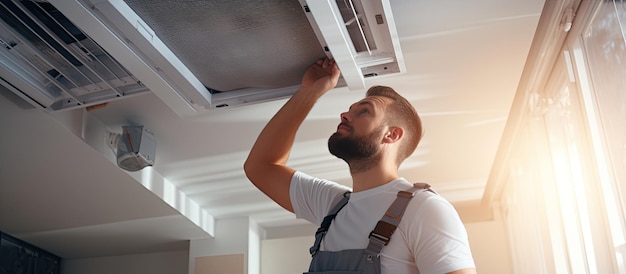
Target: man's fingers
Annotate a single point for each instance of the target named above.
(327, 63)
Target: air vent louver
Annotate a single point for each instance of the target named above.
(52, 63)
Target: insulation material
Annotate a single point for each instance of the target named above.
(230, 45)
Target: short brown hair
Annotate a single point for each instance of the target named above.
(401, 111)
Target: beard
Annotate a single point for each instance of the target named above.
(360, 152)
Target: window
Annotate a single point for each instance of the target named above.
(605, 51)
(564, 201)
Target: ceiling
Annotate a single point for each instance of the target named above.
(64, 193)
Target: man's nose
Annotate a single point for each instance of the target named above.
(344, 117)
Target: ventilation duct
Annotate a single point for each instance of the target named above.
(194, 55)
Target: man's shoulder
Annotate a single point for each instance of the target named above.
(303, 179)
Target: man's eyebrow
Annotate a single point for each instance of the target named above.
(368, 103)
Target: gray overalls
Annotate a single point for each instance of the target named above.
(364, 261)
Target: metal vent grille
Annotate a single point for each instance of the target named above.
(236, 44)
(59, 66)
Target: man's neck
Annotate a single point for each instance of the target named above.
(371, 178)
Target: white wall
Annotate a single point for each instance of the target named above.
(232, 236)
(487, 240)
(490, 247)
(286, 256)
(153, 263)
(255, 234)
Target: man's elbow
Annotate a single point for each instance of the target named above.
(255, 171)
(249, 168)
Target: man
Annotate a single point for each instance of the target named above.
(374, 136)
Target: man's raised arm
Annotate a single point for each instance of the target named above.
(266, 164)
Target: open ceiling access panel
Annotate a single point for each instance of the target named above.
(195, 55)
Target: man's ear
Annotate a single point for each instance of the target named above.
(393, 134)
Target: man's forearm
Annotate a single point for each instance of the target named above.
(266, 164)
(275, 141)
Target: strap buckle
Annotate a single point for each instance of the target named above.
(381, 238)
(382, 232)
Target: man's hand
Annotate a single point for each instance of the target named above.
(321, 76)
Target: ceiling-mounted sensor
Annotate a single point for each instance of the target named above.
(134, 148)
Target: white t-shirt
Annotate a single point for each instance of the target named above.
(430, 235)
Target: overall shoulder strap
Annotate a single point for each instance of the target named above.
(381, 235)
(321, 231)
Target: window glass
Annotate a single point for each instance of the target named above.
(605, 51)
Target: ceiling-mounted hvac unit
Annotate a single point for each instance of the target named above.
(193, 54)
